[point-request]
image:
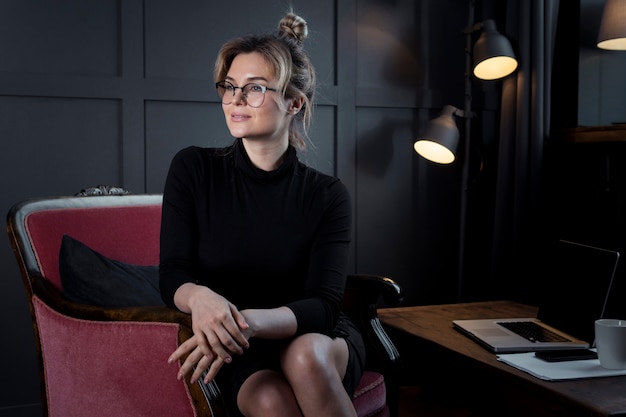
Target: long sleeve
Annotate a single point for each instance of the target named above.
(326, 276)
(178, 227)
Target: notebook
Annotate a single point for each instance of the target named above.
(574, 293)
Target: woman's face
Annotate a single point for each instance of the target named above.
(270, 121)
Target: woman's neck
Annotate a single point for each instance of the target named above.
(267, 156)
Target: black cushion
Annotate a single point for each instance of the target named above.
(89, 277)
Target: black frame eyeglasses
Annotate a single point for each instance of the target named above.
(253, 93)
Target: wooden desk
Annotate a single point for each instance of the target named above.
(431, 331)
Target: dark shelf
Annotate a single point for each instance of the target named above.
(595, 134)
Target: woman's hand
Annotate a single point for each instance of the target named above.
(218, 329)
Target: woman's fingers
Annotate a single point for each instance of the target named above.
(223, 338)
(186, 347)
(188, 365)
(213, 369)
(212, 344)
(232, 338)
(203, 364)
(231, 333)
(197, 363)
(199, 356)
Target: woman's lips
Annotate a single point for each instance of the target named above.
(236, 117)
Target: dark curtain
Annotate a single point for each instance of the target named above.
(521, 221)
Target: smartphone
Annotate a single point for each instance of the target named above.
(566, 355)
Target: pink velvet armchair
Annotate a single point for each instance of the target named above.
(100, 359)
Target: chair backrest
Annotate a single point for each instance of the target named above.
(130, 233)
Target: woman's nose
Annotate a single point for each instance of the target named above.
(239, 97)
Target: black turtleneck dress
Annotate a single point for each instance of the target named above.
(261, 240)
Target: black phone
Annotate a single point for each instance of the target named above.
(566, 355)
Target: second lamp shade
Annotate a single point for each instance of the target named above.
(493, 54)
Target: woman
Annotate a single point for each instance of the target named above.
(254, 244)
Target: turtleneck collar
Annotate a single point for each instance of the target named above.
(244, 164)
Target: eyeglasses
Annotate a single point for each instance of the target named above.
(253, 93)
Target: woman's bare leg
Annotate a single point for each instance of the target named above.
(314, 365)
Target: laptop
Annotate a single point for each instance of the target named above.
(574, 293)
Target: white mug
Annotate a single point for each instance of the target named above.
(611, 343)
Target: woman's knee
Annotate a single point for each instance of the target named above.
(266, 393)
(312, 355)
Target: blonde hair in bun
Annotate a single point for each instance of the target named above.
(293, 26)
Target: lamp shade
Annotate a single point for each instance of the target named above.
(493, 54)
(440, 139)
(612, 34)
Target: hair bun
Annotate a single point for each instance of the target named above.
(293, 26)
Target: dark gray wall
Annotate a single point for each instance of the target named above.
(104, 92)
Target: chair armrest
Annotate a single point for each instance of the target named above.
(53, 297)
(362, 295)
(372, 287)
(213, 404)
(361, 298)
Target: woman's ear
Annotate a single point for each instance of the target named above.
(296, 105)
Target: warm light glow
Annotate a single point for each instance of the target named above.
(618, 44)
(495, 67)
(433, 151)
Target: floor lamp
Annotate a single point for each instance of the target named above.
(491, 58)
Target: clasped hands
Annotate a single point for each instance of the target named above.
(220, 331)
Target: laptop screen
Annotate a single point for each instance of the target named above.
(576, 286)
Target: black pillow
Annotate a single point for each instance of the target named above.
(89, 277)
